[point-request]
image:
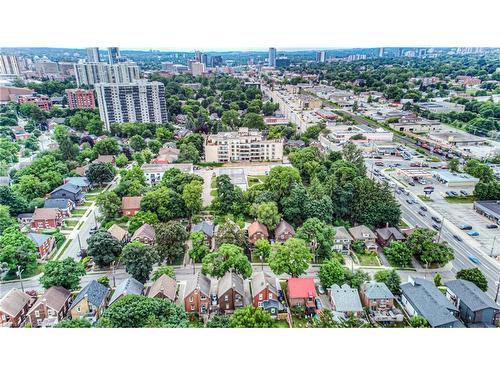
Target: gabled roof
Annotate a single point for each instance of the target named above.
(68, 187)
(117, 232)
(128, 286)
(429, 301)
(144, 230)
(386, 233)
(38, 238)
(256, 227)
(301, 287)
(261, 280)
(376, 290)
(60, 203)
(346, 298)
(204, 227)
(362, 232)
(131, 203)
(165, 285)
(199, 281)
(45, 214)
(95, 293)
(78, 181)
(228, 281)
(342, 234)
(105, 159)
(283, 227)
(13, 302)
(470, 294)
(54, 298)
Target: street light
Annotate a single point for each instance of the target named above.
(498, 289)
(493, 246)
(20, 273)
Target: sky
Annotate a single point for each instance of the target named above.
(251, 25)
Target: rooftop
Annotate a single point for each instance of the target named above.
(346, 299)
(301, 287)
(471, 295)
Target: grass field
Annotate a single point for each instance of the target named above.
(79, 211)
(425, 198)
(466, 199)
(368, 259)
(254, 180)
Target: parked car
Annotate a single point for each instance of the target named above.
(473, 233)
(411, 183)
(458, 238)
(474, 259)
(492, 226)
(465, 227)
(320, 288)
(409, 201)
(423, 208)
(93, 230)
(379, 163)
(436, 219)
(436, 226)
(421, 213)
(463, 192)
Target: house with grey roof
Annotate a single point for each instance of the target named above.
(128, 286)
(421, 297)
(90, 302)
(43, 242)
(364, 234)
(230, 292)
(379, 301)
(475, 308)
(342, 241)
(388, 234)
(65, 205)
(68, 191)
(82, 182)
(206, 228)
(197, 295)
(345, 300)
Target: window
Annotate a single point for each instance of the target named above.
(191, 299)
(261, 297)
(203, 297)
(226, 298)
(270, 296)
(37, 313)
(192, 307)
(78, 309)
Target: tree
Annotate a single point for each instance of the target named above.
(262, 249)
(331, 272)
(231, 119)
(109, 204)
(354, 155)
(137, 143)
(226, 258)
(164, 270)
(188, 153)
(253, 120)
(418, 321)
(140, 218)
(437, 253)
(66, 273)
(191, 194)
(437, 280)
(16, 249)
(230, 233)
(399, 254)
(357, 278)
(219, 321)
(199, 248)
(104, 280)
(75, 323)
(14, 201)
(281, 180)
(267, 213)
(121, 161)
(251, 317)
(166, 203)
(154, 146)
(108, 146)
(138, 260)
(5, 219)
(292, 257)
(475, 276)
(319, 236)
(454, 165)
(103, 248)
(477, 169)
(390, 278)
(229, 197)
(170, 239)
(135, 311)
(100, 173)
(30, 187)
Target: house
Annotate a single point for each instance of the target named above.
(50, 308)
(379, 300)
(13, 308)
(166, 155)
(106, 159)
(388, 234)
(283, 232)
(82, 182)
(342, 241)
(475, 308)
(165, 287)
(25, 219)
(206, 228)
(230, 293)
(257, 231)
(128, 286)
(43, 242)
(131, 205)
(145, 234)
(119, 233)
(302, 292)
(273, 307)
(46, 218)
(81, 171)
(90, 302)
(68, 191)
(346, 300)
(197, 295)
(363, 233)
(264, 288)
(421, 297)
(65, 205)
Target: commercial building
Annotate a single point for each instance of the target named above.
(357, 133)
(490, 209)
(456, 139)
(80, 99)
(90, 73)
(271, 60)
(321, 56)
(197, 68)
(417, 125)
(243, 145)
(9, 65)
(46, 67)
(455, 180)
(140, 101)
(441, 107)
(93, 54)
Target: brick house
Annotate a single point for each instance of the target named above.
(165, 287)
(364, 234)
(207, 229)
(63, 204)
(90, 302)
(46, 218)
(106, 159)
(50, 308)
(283, 231)
(257, 231)
(13, 308)
(43, 242)
(145, 234)
(119, 233)
(386, 235)
(128, 287)
(302, 292)
(376, 296)
(82, 182)
(197, 295)
(264, 288)
(230, 293)
(131, 205)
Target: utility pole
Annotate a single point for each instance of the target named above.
(20, 272)
(113, 274)
(440, 229)
(79, 241)
(493, 246)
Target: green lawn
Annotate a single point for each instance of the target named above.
(79, 211)
(280, 324)
(368, 259)
(213, 193)
(12, 275)
(425, 198)
(90, 199)
(466, 199)
(213, 183)
(96, 191)
(403, 224)
(86, 204)
(254, 180)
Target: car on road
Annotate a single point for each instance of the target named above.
(465, 227)
(436, 219)
(421, 213)
(409, 201)
(454, 193)
(458, 238)
(423, 208)
(93, 230)
(379, 163)
(436, 226)
(398, 191)
(474, 259)
(473, 233)
(492, 226)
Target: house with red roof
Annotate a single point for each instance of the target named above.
(131, 205)
(46, 218)
(257, 231)
(302, 292)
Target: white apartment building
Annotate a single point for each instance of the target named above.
(154, 172)
(140, 101)
(243, 145)
(90, 73)
(9, 65)
(197, 68)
